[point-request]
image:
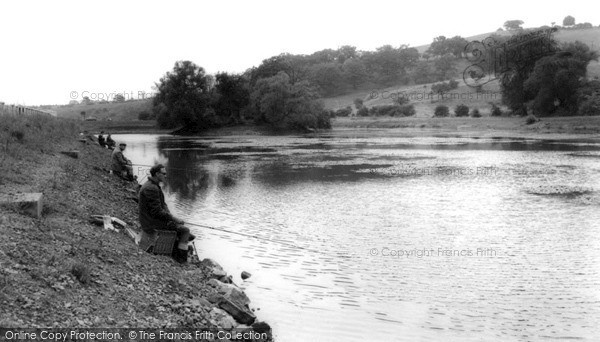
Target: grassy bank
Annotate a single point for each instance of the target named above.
(558, 127)
(62, 271)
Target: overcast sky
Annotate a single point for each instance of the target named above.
(53, 51)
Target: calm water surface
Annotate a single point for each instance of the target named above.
(400, 238)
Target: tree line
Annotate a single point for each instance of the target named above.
(284, 90)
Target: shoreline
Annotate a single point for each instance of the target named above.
(576, 127)
(62, 271)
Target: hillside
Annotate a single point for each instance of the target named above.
(117, 111)
(425, 106)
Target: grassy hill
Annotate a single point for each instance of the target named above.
(116, 111)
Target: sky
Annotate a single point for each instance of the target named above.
(56, 51)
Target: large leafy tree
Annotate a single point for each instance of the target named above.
(293, 65)
(328, 77)
(442, 46)
(389, 64)
(183, 97)
(354, 71)
(281, 104)
(556, 80)
(233, 96)
(512, 81)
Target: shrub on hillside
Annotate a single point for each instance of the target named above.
(144, 115)
(408, 110)
(363, 111)
(461, 110)
(343, 111)
(441, 111)
(389, 110)
(444, 87)
(475, 113)
(531, 119)
(496, 111)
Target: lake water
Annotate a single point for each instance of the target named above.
(379, 236)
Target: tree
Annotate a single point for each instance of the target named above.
(568, 21)
(86, 100)
(119, 98)
(442, 46)
(346, 52)
(513, 24)
(461, 110)
(358, 103)
(441, 111)
(281, 104)
(184, 93)
(354, 71)
(294, 66)
(423, 73)
(512, 80)
(445, 67)
(328, 77)
(554, 83)
(389, 64)
(233, 96)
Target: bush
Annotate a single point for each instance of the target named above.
(389, 110)
(144, 115)
(531, 119)
(475, 113)
(363, 111)
(444, 87)
(358, 103)
(401, 100)
(496, 111)
(441, 111)
(408, 110)
(461, 110)
(589, 107)
(343, 111)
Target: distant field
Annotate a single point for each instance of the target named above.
(117, 111)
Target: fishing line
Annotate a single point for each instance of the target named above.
(251, 236)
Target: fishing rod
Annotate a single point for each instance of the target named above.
(250, 236)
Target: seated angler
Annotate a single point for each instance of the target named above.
(110, 143)
(121, 166)
(155, 215)
(101, 139)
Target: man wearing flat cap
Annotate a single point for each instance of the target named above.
(121, 166)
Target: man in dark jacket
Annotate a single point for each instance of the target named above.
(155, 215)
(121, 166)
(101, 139)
